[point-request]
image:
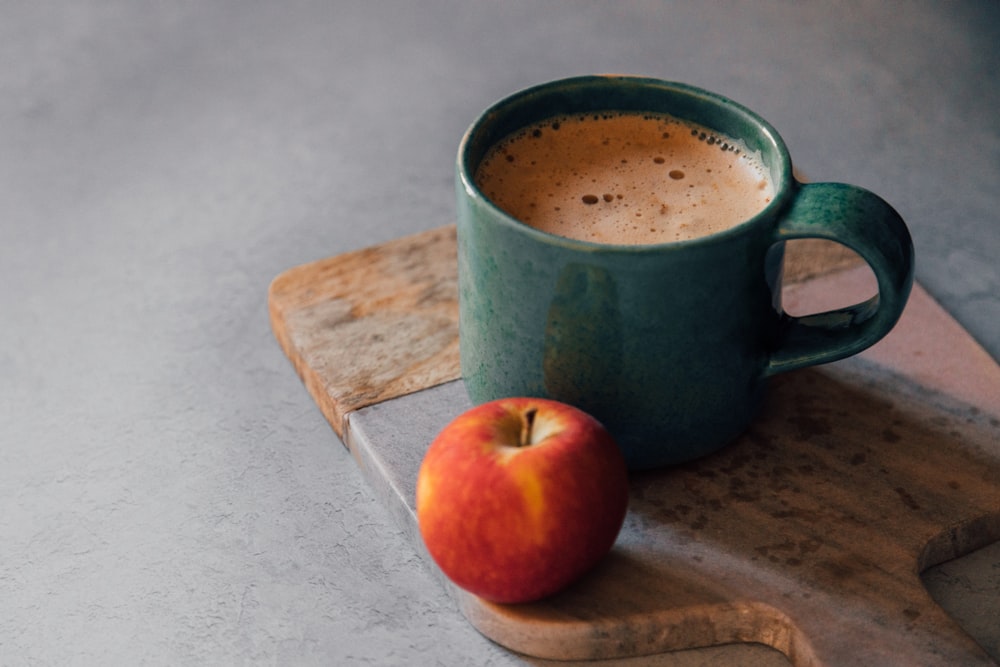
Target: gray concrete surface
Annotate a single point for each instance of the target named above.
(170, 493)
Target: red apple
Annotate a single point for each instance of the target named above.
(519, 497)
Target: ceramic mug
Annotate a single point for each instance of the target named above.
(669, 345)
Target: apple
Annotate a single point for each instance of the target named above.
(519, 497)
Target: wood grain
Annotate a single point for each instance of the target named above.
(371, 325)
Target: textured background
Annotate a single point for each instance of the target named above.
(170, 494)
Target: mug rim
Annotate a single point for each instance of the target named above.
(492, 114)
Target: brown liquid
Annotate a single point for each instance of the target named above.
(624, 178)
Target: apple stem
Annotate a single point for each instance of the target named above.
(529, 422)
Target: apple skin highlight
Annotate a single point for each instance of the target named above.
(513, 522)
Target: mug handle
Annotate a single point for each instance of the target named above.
(868, 225)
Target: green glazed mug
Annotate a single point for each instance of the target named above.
(669, 345)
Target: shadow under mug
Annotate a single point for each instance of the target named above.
(669, 345)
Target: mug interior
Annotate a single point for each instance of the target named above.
(589, 94)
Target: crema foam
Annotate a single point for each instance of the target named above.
(624, 178)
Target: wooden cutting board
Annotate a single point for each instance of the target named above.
(808, 534)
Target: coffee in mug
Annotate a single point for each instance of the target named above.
(624, 178)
